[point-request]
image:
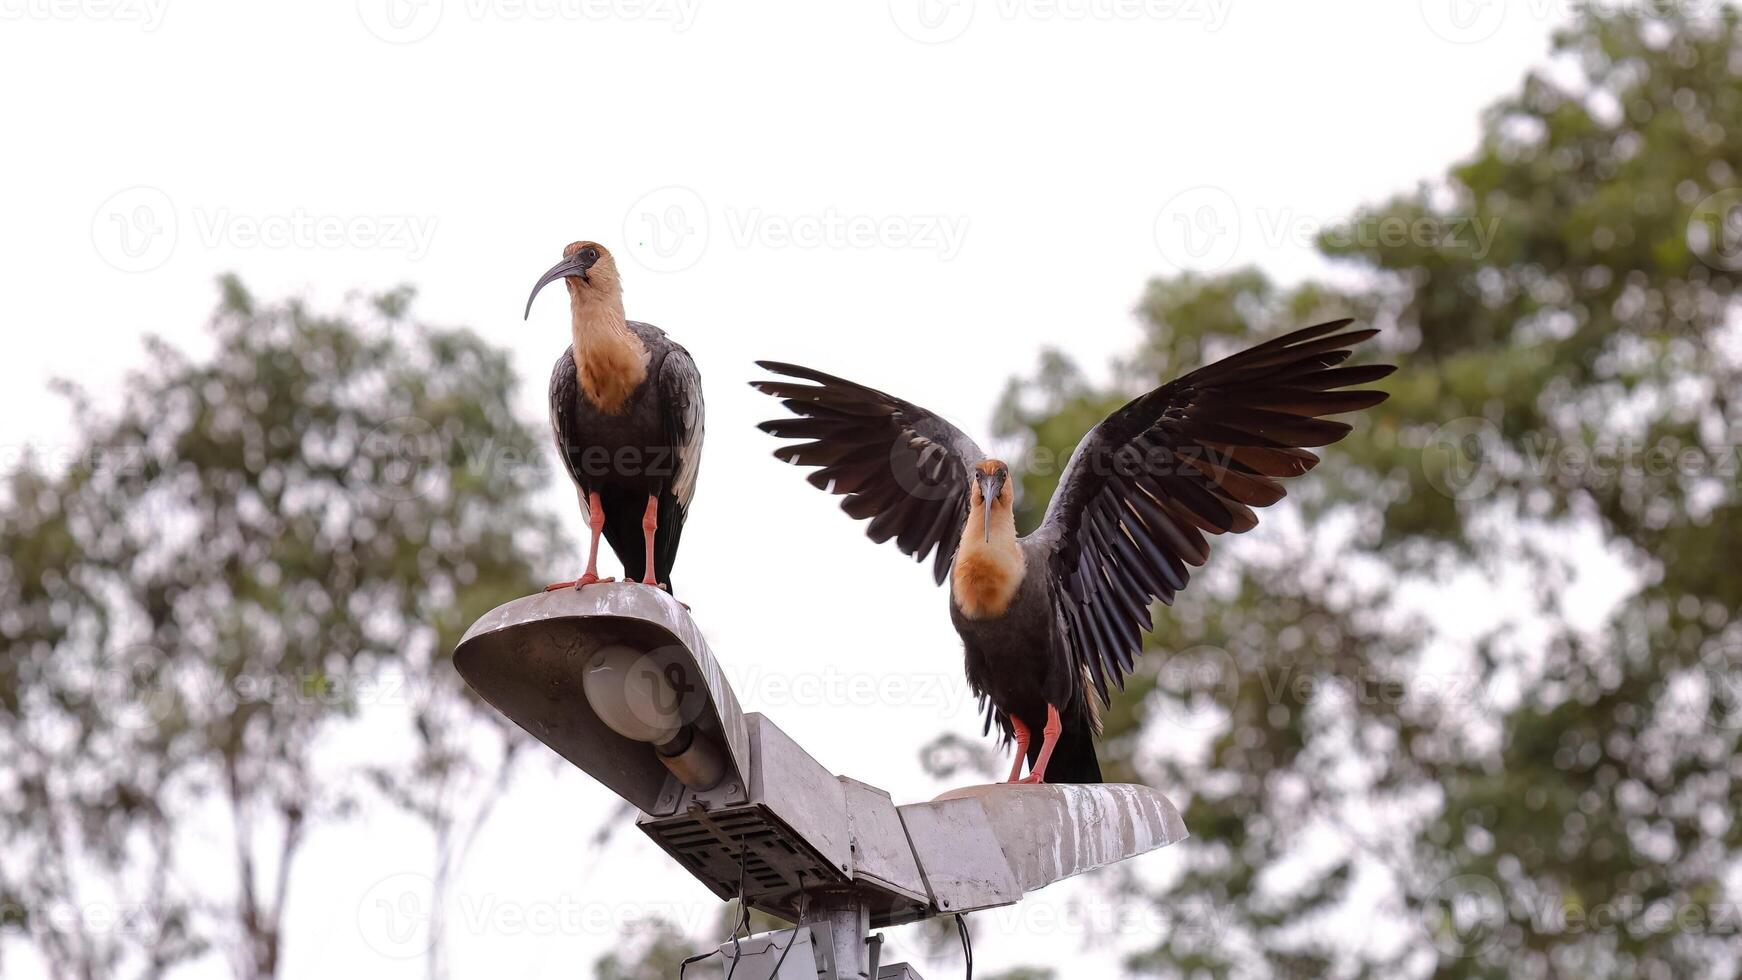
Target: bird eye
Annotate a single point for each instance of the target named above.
(590, 254)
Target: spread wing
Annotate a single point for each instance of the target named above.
(899, 465)
(1190, 458)
(681, 419)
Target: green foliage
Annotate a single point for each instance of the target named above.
(1370, 794)
(250, 551)
(656, 953)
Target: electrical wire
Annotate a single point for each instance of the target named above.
(794, 940)
(967, 946)
(743, 922)
(685, 965)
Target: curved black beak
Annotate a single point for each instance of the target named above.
(571, 265)
(991, 485)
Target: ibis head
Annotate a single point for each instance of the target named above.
(588, 270)
(990, 489)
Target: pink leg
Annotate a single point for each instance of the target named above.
(595, 521)
(1048, 741)
(1019, 731)
(650, 524)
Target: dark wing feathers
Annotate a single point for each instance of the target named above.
(681, 419)
(563, 389)
(1191, 457)
(900, 466)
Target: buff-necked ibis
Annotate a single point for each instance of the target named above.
(626, 407)
(1046, 616)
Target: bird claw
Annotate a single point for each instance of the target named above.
(580, 583)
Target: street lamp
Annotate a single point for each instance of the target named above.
(617, 679)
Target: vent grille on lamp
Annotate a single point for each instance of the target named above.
(720, 845)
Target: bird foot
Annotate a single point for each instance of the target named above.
(1032, 779)
(580, 583)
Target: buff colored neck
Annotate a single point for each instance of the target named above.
(987, 571)
(610, 361)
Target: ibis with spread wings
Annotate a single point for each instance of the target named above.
(626, 409)
(1050, 619)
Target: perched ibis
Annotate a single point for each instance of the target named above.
(1050, 619)
(626, 407)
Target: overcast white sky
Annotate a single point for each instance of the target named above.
(916, 193)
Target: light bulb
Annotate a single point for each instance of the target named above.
(631, 694)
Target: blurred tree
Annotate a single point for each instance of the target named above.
(661, 947)
(253, 552)
(657, 953)
(1374, 786)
